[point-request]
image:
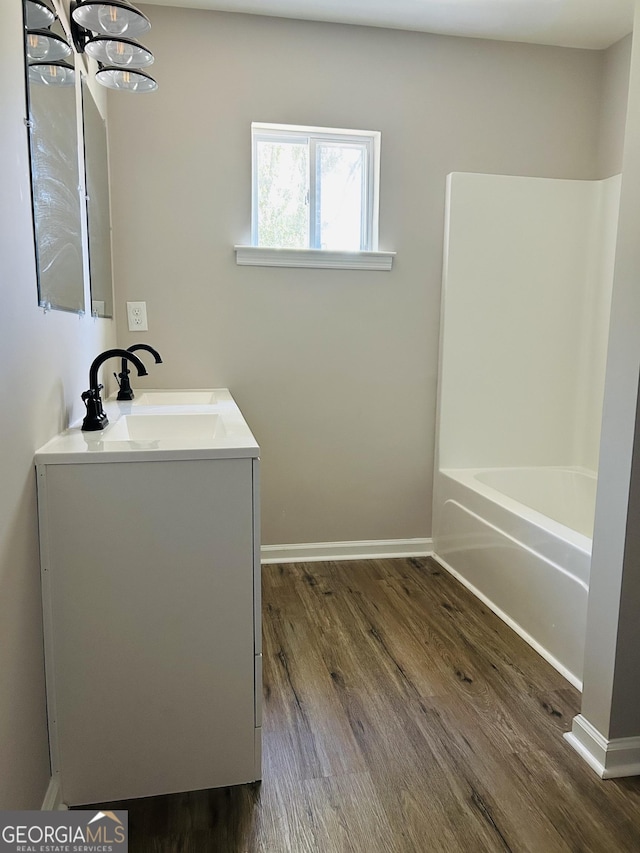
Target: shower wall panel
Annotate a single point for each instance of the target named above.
(527, 283)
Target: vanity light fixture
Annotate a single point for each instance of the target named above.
(103, 29)
(52, 73)
(38, 14)
(45, 46)
(46, 51)
(110, 17)
(127, 79)
(118, 52)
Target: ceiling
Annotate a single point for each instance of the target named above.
(594, 24)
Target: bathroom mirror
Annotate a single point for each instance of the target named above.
(53, 141)
(98, 208)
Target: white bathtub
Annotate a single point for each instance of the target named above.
(520, 539)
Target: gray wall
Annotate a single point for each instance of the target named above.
(335, 370)
(45, 361)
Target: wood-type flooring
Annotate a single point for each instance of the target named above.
(400, 716)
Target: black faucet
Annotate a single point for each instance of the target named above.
(96, 417)
(126, 391)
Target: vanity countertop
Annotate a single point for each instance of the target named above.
(146, 433)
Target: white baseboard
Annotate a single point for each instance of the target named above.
(53, 799)
(610, 759)
(307, 552)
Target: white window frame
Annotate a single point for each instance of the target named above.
(366, 258)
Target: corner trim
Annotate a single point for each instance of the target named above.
(307, 552)
(610, 759)
(259, 256)
(53, 798)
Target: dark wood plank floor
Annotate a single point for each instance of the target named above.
(400, 715)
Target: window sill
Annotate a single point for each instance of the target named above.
(258, 256)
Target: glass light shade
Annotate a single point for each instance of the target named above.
(43, 45)
(52, 73)
(38, 14)
(111, 17)
(125, 80)
(118, 52)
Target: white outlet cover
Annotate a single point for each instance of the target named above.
(137, 316)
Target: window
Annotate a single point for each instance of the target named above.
(315, 191)
(314, 188)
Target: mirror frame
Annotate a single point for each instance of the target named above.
(56, 189)
(98, 204)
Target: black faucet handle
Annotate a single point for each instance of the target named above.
(95, 418)
(92, 393)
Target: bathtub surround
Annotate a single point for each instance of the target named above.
(528, 273)
(528, 270)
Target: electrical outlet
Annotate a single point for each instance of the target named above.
(137, 316)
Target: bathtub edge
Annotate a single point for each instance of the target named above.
(515, 626)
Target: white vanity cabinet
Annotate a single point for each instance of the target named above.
(151, 595)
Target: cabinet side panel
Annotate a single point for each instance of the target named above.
(47, 622)
(257, 566)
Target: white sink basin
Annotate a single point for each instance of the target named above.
(170, 427)
(175, 398)
(159, 431)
